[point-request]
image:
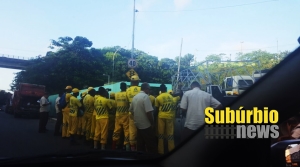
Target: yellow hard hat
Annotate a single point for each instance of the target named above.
(135, 78)
(90, 88)
(170, 91)
(83, 94)
(69, 87)
(112, 94)
(75, 90)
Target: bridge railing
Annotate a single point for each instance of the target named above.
(17, 57)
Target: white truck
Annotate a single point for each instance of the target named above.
(235, 85)
(258, 74)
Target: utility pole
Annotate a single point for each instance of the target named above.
(132, 49)
(179, 63)
(113, 70)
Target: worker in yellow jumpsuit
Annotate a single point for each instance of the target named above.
(93, 125)
(65, 112)
(88, 103)
(75, 106)
(112, 117)
(122, 118)
(80, 117)
(176, 99)
(102, 105)
(130, 93)
(166, 115)
(152, 99)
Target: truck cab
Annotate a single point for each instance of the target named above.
(258, 74)
(235, 85)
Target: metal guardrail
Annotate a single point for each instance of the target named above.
(16, 57)
(13, 63)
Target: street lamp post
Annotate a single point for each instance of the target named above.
(134, 10)
(113, 73)
(108, 77)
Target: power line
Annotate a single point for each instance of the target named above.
(229, 6)
(251, 49)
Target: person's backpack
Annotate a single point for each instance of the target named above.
(62, 101)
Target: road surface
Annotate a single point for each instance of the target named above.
(20, 138)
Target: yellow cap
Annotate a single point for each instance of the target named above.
(112, 94)
(135, 78)
(90, 88)
(75, 90)
(83, 94)
(170, 91)
(69, 87)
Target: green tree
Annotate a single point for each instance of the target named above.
(214, 58)
(167, 68)
(72, 64)
(147, 67)
(265, 58)
(185, 61)
(116, 59)
(76, 63)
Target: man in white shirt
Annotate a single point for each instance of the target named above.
(44, 113)
(194, 102)
(142, 111)
(58, 116)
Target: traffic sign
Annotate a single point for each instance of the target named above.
(132, 63)
(131, 73)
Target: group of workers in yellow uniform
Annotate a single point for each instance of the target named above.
(100, 116)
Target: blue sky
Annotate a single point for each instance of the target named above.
(206, 27)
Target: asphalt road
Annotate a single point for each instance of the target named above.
(19, 137)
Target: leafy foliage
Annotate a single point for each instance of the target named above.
(76, 63)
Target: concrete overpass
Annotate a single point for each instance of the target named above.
(13, 63)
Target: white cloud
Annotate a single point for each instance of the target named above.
(180, 4)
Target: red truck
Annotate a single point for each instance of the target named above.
(25, 99)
